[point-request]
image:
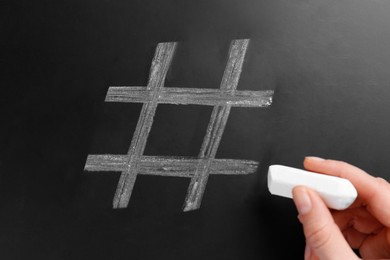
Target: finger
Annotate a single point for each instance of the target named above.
(354, 237)
(376, 246)
(358, 218)
(309, 254)
(375, 192)
(322, 234)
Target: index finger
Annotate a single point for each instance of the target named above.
(373, 191)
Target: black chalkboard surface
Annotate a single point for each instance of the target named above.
(326, 64)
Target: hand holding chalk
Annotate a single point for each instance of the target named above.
(365, 225)
(337, 193)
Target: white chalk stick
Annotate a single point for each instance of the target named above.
(337, 193)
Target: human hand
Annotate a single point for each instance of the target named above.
(365, 225)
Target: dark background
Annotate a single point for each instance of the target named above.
(328, 62)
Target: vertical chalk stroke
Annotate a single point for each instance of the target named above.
(160, 65)
(216, 126)
(198, 168)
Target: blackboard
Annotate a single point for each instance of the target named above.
(326, 61)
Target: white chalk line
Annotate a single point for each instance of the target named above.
(198, 169)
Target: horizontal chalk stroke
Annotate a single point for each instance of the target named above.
(169, 166)
(192, 96)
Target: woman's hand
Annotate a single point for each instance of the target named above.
(365, 225)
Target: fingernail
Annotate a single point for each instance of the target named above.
(314, 158)
(307, 252)
(302, 201)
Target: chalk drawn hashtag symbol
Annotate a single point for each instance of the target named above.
(199, 168)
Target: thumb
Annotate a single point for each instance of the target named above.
(323, 236)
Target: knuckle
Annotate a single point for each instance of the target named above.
(342, 164)
(337, 164)
(381, 185)
(320, 236)
(382, 182)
